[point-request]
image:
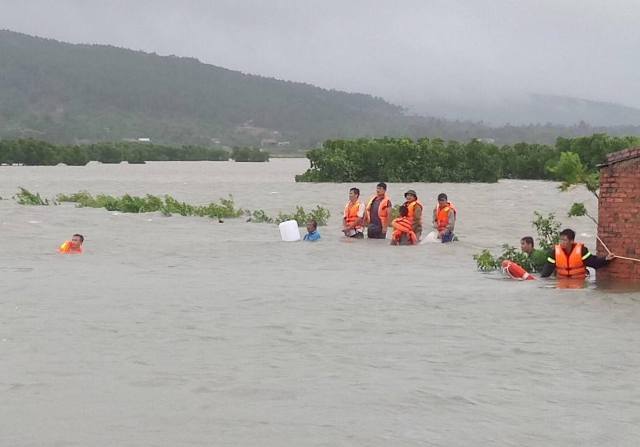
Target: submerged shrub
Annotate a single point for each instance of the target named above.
(26, 197)
(167, 205)
(547, 229)
(247, 154)
(259, 216)
(319, 214)
(485, 261)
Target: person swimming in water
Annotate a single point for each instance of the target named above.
(72, 247)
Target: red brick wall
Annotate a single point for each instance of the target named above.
(619, 214)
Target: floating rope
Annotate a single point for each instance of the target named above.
(618, 257)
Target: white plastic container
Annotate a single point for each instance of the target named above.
(289, 231)
(430, 238)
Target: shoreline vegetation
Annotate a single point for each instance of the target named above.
(168, 206)
(437, 161)
(31, 152)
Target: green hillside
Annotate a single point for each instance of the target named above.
(74, 94)
(65, 93)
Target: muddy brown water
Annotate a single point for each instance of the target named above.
(181, 331)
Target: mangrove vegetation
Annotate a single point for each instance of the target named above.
(436, 160)
(31, 152)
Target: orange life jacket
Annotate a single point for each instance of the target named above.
(402, 226)
(411, 208)
(68, 248)
(442, 215)
(383, 210)
(571, 266)
(351, 215)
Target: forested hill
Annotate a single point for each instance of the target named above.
(65, 92)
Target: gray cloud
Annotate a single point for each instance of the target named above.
(406, 51)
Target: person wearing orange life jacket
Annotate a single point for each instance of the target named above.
(570, 259)
(444, 218)
(72, 247)
(403, 233)
(353, 217)
(414, 211)
(378, 213)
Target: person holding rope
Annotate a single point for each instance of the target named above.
(570, 259)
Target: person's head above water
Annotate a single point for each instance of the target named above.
(381, 189)
(312, 225)
(403, 210)
(354, 193)
(526, 245)
(410, 195)
(77, 240)
(442, 198)
(567, 236)
(72, 246)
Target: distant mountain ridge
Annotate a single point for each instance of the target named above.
(79, 93)
(536, 109)
(67, 91)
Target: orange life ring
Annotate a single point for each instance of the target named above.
(513, 270)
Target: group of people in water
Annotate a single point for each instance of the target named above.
(376, 217)
(568, 259)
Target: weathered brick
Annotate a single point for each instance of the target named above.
(619, 212)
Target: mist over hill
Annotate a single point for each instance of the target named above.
(532, 109)
(75, 93)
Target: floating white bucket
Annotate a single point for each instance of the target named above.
(289, 231)
(430, 238)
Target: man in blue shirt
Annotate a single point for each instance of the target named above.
(312, 229)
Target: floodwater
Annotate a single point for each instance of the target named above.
(182, 331)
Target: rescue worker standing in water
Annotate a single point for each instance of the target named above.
(403, 233)
(444, 218)
(353, 217)
(414, 211)
(570, 259)
(378, 213)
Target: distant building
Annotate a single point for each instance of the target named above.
(268, 142)
(137, 140)
(486, 140)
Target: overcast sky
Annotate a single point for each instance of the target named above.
(403, 50)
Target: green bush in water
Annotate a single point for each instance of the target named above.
(150, 203)
(247, 154)
(168, 205)
(319, 214)
(26, 197)
(547, 229)
(485, 261)
(259, 216)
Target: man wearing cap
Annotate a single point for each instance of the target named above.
(414, 208)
